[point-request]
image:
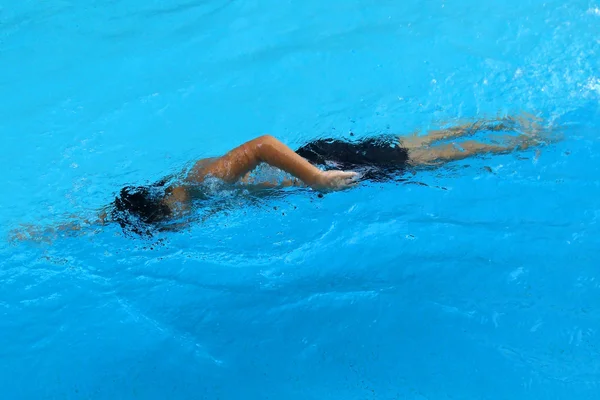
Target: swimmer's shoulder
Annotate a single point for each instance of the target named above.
(197, 173)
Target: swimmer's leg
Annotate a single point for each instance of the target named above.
(415, 141)
(529, 128)
(440, 154)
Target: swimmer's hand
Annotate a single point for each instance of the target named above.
(335, 180)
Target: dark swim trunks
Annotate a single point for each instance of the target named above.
(378, 159)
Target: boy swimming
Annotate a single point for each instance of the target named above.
(323, 165)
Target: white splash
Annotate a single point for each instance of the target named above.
(514, 275)
(593, 84)
(535, 327)
(594, 11)
(518, 73)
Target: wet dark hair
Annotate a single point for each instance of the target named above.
(139, 209)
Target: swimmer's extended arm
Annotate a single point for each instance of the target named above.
(36, 233)
(243, 159)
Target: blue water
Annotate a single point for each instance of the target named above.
(483, 284)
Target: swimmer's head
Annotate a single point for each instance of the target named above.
(135, 205)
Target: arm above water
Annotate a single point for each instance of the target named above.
(243, 159)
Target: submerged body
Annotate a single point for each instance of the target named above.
(323, 165)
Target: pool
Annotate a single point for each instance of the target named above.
(480, 281)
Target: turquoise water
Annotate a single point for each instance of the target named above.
(483, 284)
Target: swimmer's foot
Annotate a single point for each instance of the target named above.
(535, 128)
(335, 180)
(519, 142)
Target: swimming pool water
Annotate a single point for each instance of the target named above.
(481, 284)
